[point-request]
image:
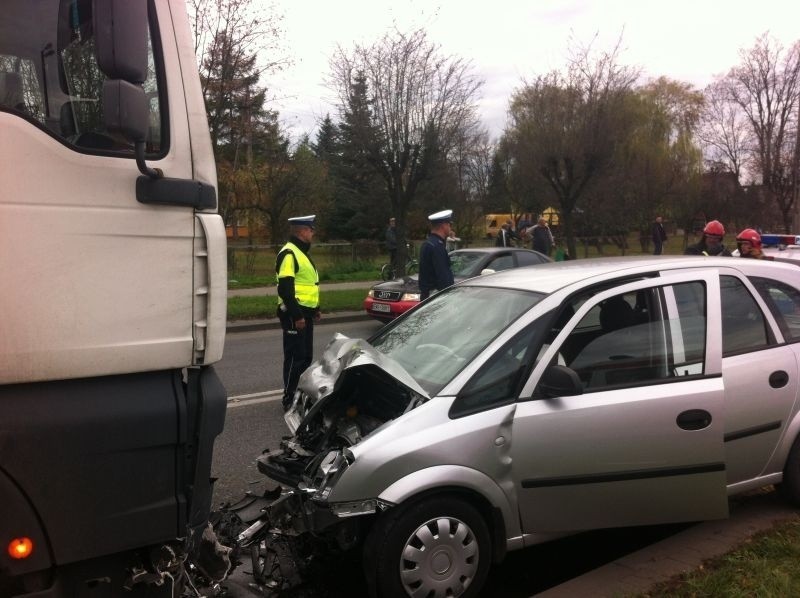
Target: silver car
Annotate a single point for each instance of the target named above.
(533, 403)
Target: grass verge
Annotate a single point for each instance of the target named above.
(763, 566)
(247, 308)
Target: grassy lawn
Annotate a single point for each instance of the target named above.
(766, 565)
(243, 308)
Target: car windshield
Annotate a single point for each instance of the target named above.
(436, 341)
(465, 263)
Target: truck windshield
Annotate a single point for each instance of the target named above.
(49, 75)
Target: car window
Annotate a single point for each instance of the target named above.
(498, 381)
(525, 258)
(783, 301)
(631, 338)
(743, 325)
(502, 262)
(465, 263)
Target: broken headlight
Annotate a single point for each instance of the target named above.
(328, 472)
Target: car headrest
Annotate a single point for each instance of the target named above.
(616, 313)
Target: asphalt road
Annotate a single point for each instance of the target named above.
(251, 370)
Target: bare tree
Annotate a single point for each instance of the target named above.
(566, 127)
(765, 87)
(420, 101)
(252, 28)
(723, 131)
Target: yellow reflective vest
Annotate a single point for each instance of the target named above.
(306, 278)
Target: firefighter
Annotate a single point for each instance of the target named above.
(711, 243)
(749, 243)
(298, 302)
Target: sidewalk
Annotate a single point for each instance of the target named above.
(273, 323)
(636, 573)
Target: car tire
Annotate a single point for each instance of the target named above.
(789, 488)
(456, 558)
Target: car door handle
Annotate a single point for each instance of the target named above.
(694, 419)
(778, 379)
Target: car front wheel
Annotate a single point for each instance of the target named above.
(436, 547)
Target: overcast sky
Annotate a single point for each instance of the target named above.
(508, 40)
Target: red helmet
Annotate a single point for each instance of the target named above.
(750, 236)
(714, 228)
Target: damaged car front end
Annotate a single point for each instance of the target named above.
(370, 429)
(345, 396)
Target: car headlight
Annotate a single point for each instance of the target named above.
(327, 474)
(371, 293)
(410, 297)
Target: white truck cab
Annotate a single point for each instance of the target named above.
(113, 264)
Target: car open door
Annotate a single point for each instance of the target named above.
(642, 442)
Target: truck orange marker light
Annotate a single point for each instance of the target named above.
(20, 548)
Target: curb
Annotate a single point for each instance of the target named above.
(273, 323)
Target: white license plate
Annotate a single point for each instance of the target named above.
(381, 307)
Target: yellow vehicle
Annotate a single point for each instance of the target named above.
(494, 222)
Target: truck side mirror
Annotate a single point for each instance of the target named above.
(120, 31)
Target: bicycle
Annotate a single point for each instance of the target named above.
(412, 267)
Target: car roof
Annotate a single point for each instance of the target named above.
(493, 249)
(550, 277)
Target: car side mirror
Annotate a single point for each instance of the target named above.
(487, 271)
(560, 381)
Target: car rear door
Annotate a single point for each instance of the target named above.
(760, 372)
(643, 444)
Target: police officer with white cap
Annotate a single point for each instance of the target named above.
(298, 302)
(435, 273)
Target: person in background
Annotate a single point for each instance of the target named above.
(749, 243)
(659, 236)
(452, 241)
(391, 242)
(711, 243)
(298, 302)
(542, 238)
(504, 236)
(435, 273)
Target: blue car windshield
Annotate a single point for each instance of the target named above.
(437, 340)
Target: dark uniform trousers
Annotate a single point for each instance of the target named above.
(298, 349)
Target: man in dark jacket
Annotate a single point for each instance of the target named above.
(435, 273)
(659, 236)
(542, 238)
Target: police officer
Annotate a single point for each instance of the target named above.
(435, 273)
(298, 302)
(711, 243)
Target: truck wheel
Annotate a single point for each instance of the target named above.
(790, 487)
(436, 547)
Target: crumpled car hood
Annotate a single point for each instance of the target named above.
(343, 357)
